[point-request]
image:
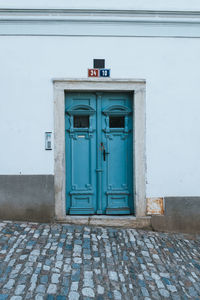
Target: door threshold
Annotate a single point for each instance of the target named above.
(108, 221)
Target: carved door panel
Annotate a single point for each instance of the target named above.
(117, 164)
(80, 128)
(99, 153)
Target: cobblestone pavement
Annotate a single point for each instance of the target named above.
(43, 261)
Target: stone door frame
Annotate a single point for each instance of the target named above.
(138, 89)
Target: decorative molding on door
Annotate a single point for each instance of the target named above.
(138, 87)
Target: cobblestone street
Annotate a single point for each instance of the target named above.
(43, 261)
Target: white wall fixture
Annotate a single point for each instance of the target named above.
(48, 141)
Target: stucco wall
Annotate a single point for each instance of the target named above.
(170, 67)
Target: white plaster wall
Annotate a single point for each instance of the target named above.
(105, 4)
(170, 66)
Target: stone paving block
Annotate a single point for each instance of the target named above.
(57, 262)
(3, 296)
(74, 296)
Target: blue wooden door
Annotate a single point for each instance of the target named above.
(99, 153)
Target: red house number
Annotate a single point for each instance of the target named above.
(93, 73)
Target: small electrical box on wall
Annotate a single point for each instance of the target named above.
(48, 141)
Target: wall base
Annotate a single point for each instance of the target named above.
(182, 214)
(32, 198)
(27, 197)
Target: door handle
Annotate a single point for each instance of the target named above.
(104, 154)
(102, 148)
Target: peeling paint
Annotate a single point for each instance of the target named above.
(155, 206)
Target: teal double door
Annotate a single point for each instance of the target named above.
(99, 153)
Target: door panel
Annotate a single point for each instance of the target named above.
(99, 153)
(81, 167)
(117, 168)
(80, 153)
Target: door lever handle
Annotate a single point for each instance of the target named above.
(102, 148)
(104, 154)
